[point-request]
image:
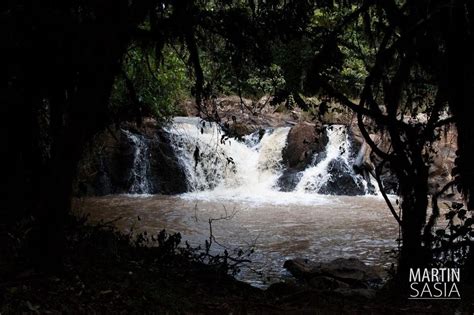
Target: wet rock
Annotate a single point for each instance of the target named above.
(318, 157)
(107, 166)
(289, 179)
(350, 271)
(342, 180)
(302, 142)
(169, 177)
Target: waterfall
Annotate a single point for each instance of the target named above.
(212, 162)
(219, 167)
(316, 175)
(140, 173)
(335, 168)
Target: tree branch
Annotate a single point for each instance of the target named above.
(376, 175)
(195, 60)
(434, 214)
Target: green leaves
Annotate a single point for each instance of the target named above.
(160, 84)
(266, 81)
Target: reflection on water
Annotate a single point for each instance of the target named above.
(334, 226)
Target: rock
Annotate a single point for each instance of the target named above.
(443, 161)
(326, 283)
(107, 166)
(302, 142)
(351, 271)
(342, 180)
(439, 172)
(283, 288)
(238, 129)
(289, 179)
(169, 177)
(301, 268)
(188, 108)
(229, 103)
(359, 293)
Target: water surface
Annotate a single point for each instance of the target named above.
(286, 226)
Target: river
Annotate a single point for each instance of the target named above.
(285, 226)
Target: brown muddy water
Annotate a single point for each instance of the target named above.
(323, 229)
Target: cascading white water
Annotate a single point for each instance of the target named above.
(140, 172)
(249, 169)
(212, 164)
(338, 147)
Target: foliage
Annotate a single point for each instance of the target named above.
(160, 85)
(163, 247)
(343, 59)
(452, 245)
(105, 269)
(265, 81)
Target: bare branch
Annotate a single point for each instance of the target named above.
(427, 236)
(376, 175)
(368, 139)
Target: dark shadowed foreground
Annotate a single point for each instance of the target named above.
(109, 272)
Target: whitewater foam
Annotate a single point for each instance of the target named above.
(217, 168)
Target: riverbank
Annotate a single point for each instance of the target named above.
(109, 272)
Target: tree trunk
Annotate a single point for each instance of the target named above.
(414, 192)
(79, 93)
(460, 72)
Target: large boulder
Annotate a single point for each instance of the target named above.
(342, 180)
(289, 179)
(302, 142)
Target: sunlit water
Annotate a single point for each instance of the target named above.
(279, 227)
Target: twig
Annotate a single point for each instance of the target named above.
(435, 213)
(376, 175)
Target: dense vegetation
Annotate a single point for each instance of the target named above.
(73, 68)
